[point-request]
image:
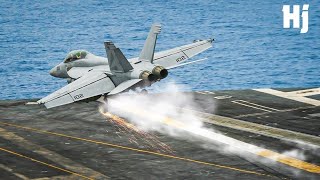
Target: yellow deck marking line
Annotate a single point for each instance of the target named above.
(236, 102)
(278, 133)
(137, 150)
(227, 140)
(50, 155)
(254, 104)
(296, 163)
(40, 162)
(290, 161)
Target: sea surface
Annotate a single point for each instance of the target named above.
(251, 49)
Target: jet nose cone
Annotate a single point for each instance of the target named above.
(53, 72)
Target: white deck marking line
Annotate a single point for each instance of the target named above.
(265, 107)
(51, 155)
(13, 172)
(284, 110)
(31, 103)
(209, 92)
(235, 143)
(251, 106)
(291, 96)
(70, 177)
(222, 97)
(131, 149)
(201, 92)
(306, 92)
(265, 130)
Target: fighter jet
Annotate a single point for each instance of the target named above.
(91, 77)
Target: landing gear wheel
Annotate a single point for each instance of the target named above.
(144, 91)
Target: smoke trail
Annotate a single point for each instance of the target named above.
(157, 107)
(159, 112)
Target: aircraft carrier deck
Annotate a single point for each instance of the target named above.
(77, 142)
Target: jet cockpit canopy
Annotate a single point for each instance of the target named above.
(76, 55)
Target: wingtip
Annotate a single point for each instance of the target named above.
(211, 40)
(156, 28)
(156, 24)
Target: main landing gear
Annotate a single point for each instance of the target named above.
(103, 104)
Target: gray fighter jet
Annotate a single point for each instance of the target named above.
(92, 77)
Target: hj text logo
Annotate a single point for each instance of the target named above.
(294, 16)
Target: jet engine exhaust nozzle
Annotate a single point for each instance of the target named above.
(146, 75)
(160, 72)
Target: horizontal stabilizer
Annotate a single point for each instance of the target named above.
(199, 60)
(147, 52)
(117, 61)
(179, 55)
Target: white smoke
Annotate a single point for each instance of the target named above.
(156, 107)
(311, 148)
(296, 154)
(169, 113)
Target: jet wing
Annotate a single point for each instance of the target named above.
(124, 86)
(173, 57)
(90, 85)
(77, 72)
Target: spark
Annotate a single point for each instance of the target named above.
(234, 145)
(136, 135)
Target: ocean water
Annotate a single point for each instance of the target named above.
(251, 49)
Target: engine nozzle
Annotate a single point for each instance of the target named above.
(146, 75)
(160, 72)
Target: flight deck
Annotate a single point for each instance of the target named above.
(77, 142)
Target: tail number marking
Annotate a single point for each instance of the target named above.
(78, 96)
(180, 59)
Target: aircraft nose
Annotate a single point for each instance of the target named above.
(53, 72)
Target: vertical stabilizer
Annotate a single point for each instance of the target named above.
(117, 61)
(150, 44)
